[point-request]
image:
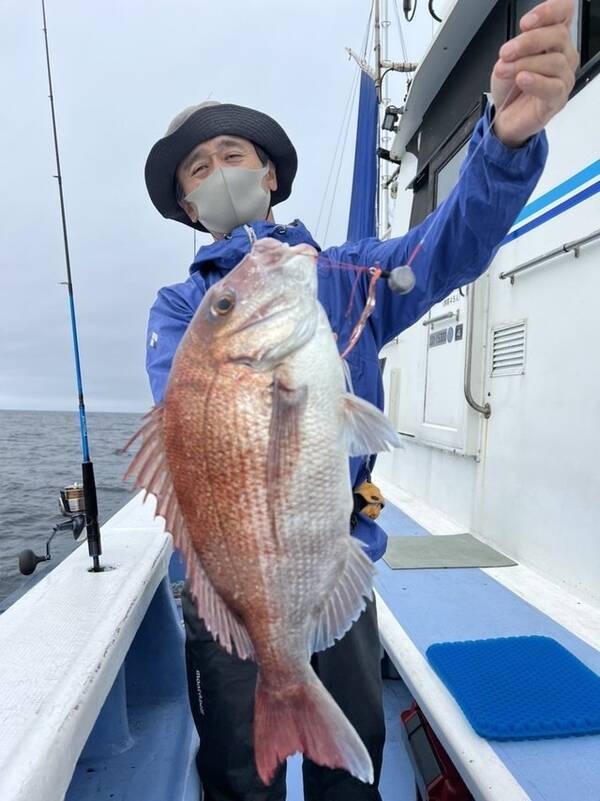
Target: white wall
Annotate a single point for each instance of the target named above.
(534, 490)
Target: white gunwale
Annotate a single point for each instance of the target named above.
(62, 645)
(485, 774)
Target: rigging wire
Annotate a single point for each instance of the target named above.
(343, 130)
(368, 32)
(335, 152)
(346, 129)
(400, 31)
(404, 48)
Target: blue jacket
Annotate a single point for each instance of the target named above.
(464, 233)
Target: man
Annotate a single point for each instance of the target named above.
(221, 168)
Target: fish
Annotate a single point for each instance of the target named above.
(247, 456)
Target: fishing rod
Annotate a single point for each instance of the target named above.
(87, 467)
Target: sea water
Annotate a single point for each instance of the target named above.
(40, 453)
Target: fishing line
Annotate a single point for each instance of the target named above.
(399, 279)
(366, 313)
(352, 294)
(87, 467)
(396, 282)
(510, 97)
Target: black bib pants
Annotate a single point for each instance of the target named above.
(221, 690)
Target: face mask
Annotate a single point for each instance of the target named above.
(231, 197)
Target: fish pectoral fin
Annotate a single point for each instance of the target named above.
(347, 600)
(366, 429)
(287, 407)
(151, 470)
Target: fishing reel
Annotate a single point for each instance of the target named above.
(72, 505)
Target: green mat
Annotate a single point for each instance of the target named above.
(454, 550)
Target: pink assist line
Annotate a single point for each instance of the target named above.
(376, 271)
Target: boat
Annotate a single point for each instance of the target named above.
(494, 394)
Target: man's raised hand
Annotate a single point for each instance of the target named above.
(535, 72)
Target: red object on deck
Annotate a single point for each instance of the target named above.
(434, 770)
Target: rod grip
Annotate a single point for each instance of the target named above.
(91, 509)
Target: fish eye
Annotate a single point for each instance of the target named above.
(224, 304)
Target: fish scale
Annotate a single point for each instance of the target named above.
(248, 457)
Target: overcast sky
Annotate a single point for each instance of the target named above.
(121, 71)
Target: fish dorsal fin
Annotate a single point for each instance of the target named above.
(347, 599)
(366, 429)
(151, 470)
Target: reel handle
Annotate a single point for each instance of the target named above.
(28, 561)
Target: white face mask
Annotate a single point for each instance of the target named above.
(230, 197)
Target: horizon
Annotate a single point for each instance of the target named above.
(74, 411)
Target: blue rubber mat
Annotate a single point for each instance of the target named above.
(519, 688)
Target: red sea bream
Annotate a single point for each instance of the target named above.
(248, 457)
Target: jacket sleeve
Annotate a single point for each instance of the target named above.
(169, 318)
(462, 234)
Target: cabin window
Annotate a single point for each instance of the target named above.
(447, 175)
(590, 30)
(523, 6)
(438, 174)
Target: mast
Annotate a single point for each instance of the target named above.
(377, 49)
(384, 140)
(377, 38)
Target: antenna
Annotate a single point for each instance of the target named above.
(87, 467)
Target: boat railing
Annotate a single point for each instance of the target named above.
(64, 646)
(568, 247)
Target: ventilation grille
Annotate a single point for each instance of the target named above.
(508, 349)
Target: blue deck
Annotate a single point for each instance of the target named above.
(447, 605)
(140, 746)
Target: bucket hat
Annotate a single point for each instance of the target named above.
(197, 124)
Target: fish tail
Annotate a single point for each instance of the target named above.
(305, 718)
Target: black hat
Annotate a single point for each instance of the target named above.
(198, 124)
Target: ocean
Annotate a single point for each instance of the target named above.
(40, 453)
